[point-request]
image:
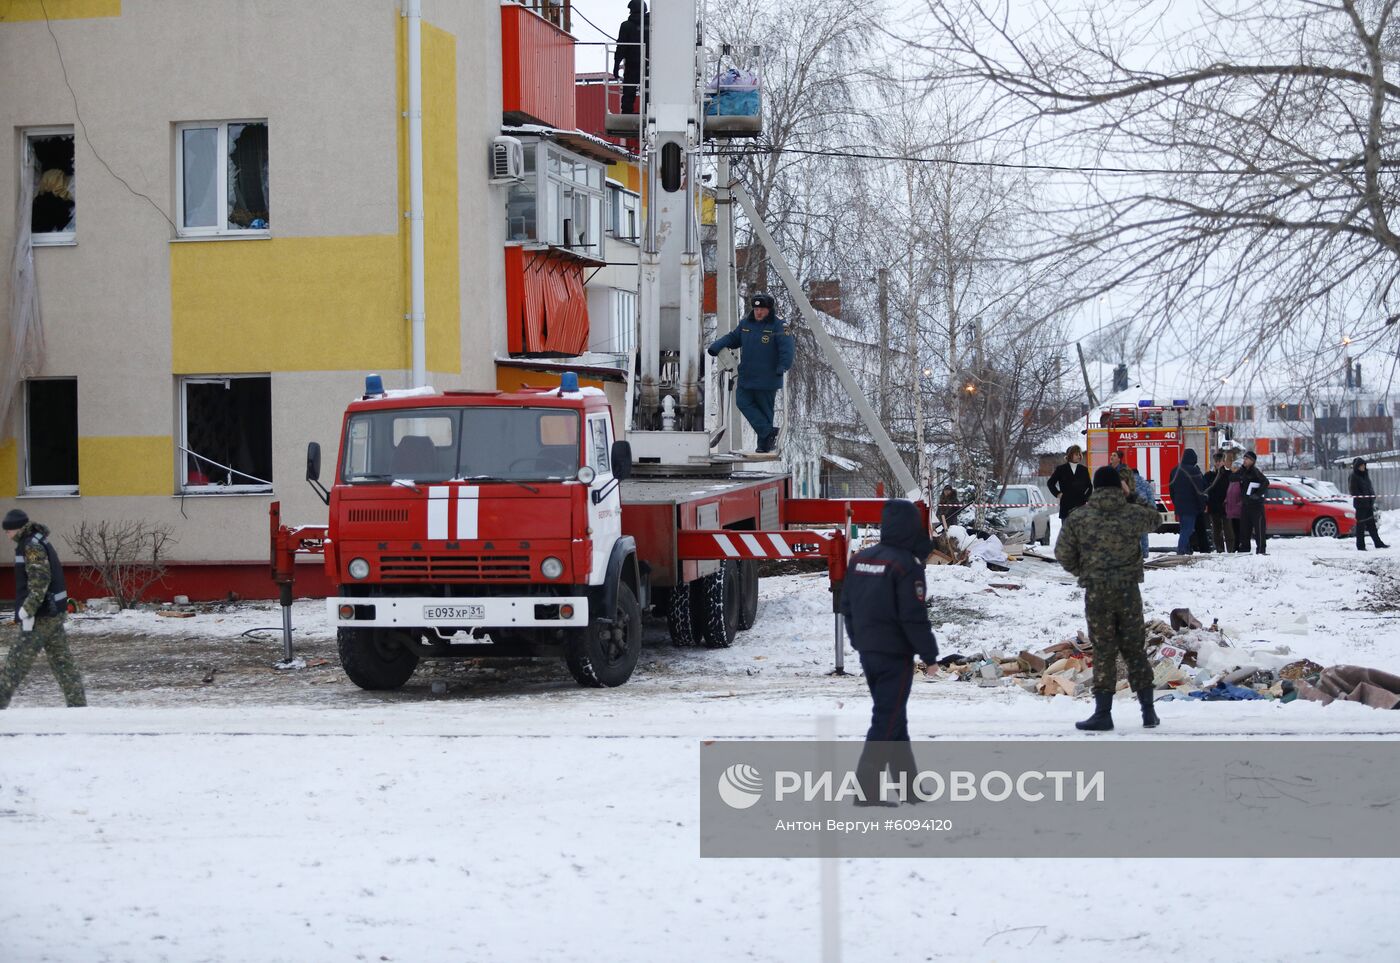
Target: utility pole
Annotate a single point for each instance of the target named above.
(1084, 369)
(882, 278)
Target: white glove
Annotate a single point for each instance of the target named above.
(26, 622)
(728, 359)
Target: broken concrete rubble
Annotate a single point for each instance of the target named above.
(1187, 661)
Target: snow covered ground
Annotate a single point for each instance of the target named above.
(289, 816)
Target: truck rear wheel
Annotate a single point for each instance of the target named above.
(714, 604)
(680, 622)
(748, 594)
(604, 653)
(376, 659)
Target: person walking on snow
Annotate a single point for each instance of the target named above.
(1363, 499)
(1070, 482)
(1187, 489)
(765, 355)
(882, 602)
(1099, 547)
(41, 604)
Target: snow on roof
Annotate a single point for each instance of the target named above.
(583, 136)
(845, 464)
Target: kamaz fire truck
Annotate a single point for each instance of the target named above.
(485, 523)
(1152, 438)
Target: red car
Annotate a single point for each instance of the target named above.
(1292, 510)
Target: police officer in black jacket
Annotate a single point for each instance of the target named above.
(882, 602)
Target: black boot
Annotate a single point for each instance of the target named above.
(1102, 719)
(1149, 713)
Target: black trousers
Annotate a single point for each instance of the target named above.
(1252, 525)
(890, 678)
(1364, 525)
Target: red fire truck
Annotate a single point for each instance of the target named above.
(483, 523)
(1152, 439)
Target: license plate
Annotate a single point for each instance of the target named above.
(454, 613)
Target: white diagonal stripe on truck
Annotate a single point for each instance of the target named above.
(780, 545)
(437, 512)
(468, 503)
(754, 546)
(727, 545)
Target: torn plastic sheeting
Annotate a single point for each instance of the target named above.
(1221, 692)
(989, 549)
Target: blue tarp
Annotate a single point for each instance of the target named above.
(1226, 693)
(732, 103)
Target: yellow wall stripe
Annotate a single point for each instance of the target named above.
(286, 304)
(131, 465)
(15, 11)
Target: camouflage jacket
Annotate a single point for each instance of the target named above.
(35, 579)
(1099, 543)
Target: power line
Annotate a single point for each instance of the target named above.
(1009, 165)
(575, 11)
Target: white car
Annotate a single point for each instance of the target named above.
(1026, 513)
(1318, 488)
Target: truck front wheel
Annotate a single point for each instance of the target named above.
(376, 659)
(605, 652)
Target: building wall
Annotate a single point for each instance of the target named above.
(321, 302)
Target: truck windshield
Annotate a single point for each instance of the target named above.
(441, 444)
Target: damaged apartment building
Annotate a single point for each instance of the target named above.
(212, 249)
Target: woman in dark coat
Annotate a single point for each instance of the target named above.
(1070, 482)
(1363, 499)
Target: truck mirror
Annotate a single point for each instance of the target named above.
(313, 462)
(622, 460)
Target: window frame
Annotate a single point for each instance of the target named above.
(182, 444)
(552, 190)
(623, 204)
(220, 228)
(46, 491)
(26, 169)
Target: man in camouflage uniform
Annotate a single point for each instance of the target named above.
(1099, 546)
(41, 604)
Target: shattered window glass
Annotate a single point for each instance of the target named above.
(247, 177)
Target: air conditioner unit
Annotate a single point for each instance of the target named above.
(507, 160)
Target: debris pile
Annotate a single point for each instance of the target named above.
(1188, 661)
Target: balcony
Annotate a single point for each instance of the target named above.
(537, 63)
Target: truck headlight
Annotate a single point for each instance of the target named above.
(359, 568)
(552, 567)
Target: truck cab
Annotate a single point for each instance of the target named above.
(481, 522)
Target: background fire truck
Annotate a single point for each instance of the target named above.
(1152, 438)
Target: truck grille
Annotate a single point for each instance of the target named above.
(379, 514)
(454, 568)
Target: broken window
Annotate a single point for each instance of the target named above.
(48, 166)
(226, 434)
(222, 178)
(598, 436)
(51, 436)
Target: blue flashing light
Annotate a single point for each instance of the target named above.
(1180, 403)
(1145, 403)
(568, 381)
(374, 386)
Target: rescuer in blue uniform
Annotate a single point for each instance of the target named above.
(882, 602)
(765, 355)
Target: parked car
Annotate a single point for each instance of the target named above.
(1294, 510)
(1027, 514)
(1322, 489)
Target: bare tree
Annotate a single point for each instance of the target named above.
(1244, 163)
(128, 556)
